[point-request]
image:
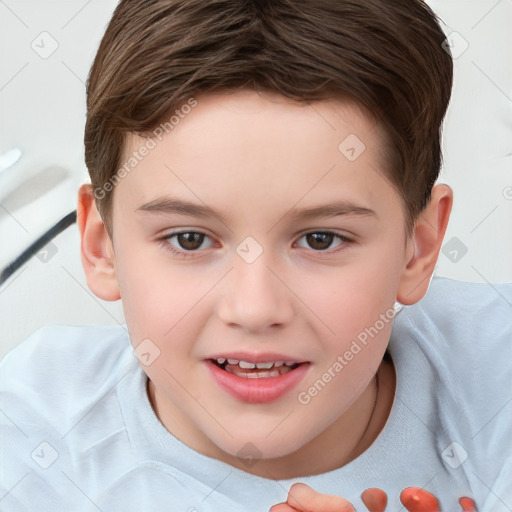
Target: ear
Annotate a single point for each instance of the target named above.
(424, 245)
(96, 248)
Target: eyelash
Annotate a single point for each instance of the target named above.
(164, 241)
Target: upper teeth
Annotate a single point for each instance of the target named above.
(261, 366)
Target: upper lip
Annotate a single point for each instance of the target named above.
(262, 357)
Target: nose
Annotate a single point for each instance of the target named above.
(254, 298)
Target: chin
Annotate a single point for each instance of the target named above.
(253, 448)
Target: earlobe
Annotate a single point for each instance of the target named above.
(424, 246)
(96, 248)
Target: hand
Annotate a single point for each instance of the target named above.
(302, 498)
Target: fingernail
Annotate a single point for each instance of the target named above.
(375, 499)
(415, 499)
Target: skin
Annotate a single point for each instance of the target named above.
(256, 158)
(303, 498)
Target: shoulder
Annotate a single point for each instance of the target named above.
(465, 332)
(462, 295)
(55, 351)
(58, 399)
(464, 335)
(467, 316)
(59, 369)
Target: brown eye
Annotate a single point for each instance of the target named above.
(319, 241)
(186, 242)
(190, 241)
(322, 240)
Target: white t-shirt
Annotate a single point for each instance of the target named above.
(78, 433)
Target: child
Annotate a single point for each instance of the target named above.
(262, 196)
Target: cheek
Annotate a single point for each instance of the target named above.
(152, 300)
(357, 304)
(143, 279)
(163, 302)
(352, 297)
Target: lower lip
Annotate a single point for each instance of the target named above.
(257, 390)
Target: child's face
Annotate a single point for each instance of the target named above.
(256, 283)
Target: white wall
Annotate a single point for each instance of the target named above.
(42, 109)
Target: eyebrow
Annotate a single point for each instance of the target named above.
(169, 205)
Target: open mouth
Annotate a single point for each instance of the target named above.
(258, 383)
(248, 370)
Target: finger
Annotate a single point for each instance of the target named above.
(304, 498)
(282, 507)
(375, 499)
(415, 499)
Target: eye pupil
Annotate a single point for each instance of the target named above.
(190, 241)
(320, 241)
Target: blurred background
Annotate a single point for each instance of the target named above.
(47, 49)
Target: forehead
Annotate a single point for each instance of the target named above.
(259, 148)
(251, 118)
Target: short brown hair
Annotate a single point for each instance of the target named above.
(387, 55)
